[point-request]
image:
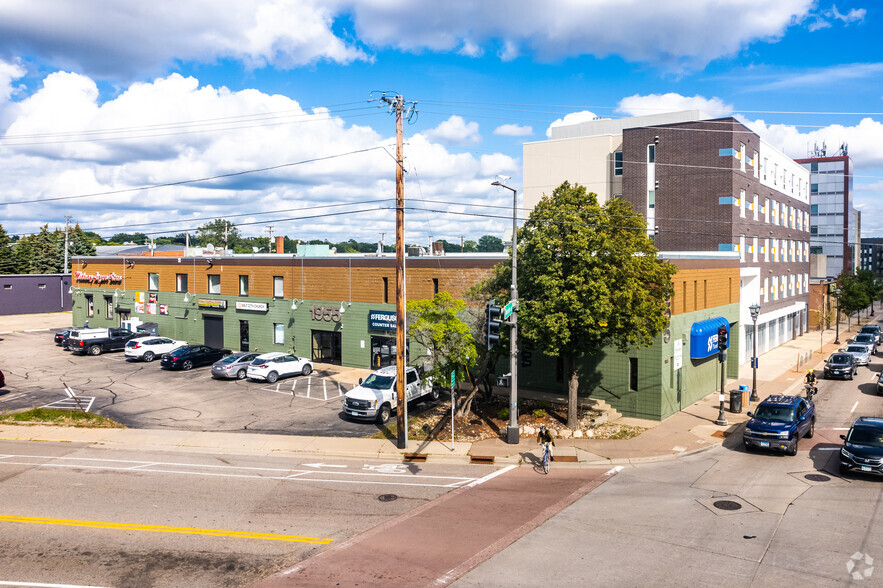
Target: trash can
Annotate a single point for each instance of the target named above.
(736, 401)
(746, 395)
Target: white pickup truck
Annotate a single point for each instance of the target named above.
(375, 398)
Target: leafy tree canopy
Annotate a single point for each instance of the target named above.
(436, 324)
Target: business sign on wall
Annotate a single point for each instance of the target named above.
(97, 278)
(703, 337)
(212, 304)
(255, 306)
(382, 320)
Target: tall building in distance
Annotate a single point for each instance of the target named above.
(872, 255)
(703, 184)
(832, 217)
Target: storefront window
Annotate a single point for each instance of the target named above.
(214, 284)
(243, 285)
(278, 287)
(90, 306)
(278, 333)
(108, 304)
(153, 282)
(181, 282)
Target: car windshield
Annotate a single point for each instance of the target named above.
(781, 414)
(870, 330)
(857, 349)
(378, 382)
(231, 359)
(839, 359)
(871, 436)
(864, 338)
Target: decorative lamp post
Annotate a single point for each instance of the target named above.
(754, 309)
(837, 335)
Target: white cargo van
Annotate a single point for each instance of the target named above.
(375, 398)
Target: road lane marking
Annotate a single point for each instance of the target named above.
(854, 406)
(165, 529)
(840, 429)
(380, 471)
(42, 585)
(490, 476)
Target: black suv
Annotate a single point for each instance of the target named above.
(862, 449)
(840, 365)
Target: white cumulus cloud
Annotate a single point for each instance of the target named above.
(637, 105)
(572, 118)
(514, 130)
(455, 131)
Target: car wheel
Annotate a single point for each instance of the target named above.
(812, 430)
(240, 375)
(308, 369)
(383, 415)
(95, 350)
(843, 470)
(187, 365)
(149, 356)
(792, 450)
(272, 377)
(850, 375)
(434, 394)
(748, 447)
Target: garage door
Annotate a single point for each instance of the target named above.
(214, 330)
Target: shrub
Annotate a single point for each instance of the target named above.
(538, 413)
(503, 414)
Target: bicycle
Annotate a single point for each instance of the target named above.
(547, 457)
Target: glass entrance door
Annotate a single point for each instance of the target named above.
(326, 347)
(383, 351)
(243, 336)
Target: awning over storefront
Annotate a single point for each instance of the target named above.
(703, 337)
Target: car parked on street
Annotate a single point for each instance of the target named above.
(866, 339)
(149, 348)
(99, 340)
(862, 449)
(840, 365)
(191, 356)
(880, 384)
(375, 398)
(861, 353)
(272, 366)
(872, 330)
(780, 422)
(234, 366)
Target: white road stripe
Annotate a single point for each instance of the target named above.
(490, 476)
(41, 585)
(854, 406)
(827, 448)
(840, 429)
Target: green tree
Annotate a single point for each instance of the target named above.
(121, 238)
(853, 295)
(436, 324)
(80, 242)
(489, 243)
(40, 253)
(7, 264)
(214, 232)
(589, 277)
(470, 246)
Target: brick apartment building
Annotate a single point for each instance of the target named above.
(703, 184)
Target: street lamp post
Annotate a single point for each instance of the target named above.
(512, 430)
(837, 318)
(754, 309)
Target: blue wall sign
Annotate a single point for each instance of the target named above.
(703, 337)
(382, 320)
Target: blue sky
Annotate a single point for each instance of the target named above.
(103, 103)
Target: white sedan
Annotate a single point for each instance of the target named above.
(272, 366)
(149, 348)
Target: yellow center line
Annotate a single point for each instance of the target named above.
(165, 529)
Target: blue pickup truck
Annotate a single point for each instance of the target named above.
(779, 423)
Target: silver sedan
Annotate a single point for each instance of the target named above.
(861, 353)
(234, 366)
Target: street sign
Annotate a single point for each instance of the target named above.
(507, 310)
(453, 378)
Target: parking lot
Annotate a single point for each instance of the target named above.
(143, 395)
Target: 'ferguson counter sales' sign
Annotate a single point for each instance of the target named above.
(382, 320)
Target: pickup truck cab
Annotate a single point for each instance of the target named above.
(97, 341)
(779, 423)
(375, 398)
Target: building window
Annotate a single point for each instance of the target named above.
(90, 306)
(243, 285)
(766, 249)
(742, 156)
(434, 286)
(754, 163)
(386, 290)
(766, 210)
(741, 247)
(617, 163)
(214, 284)
(775, 174)
(651, 153)
(279, 333)
(41, 286)
(180, 282)
(753, 249)
(278, 287)
(766, 164)
(108, 305)
(742, 203)
(633, 373)
(153, 282)
(756, 212)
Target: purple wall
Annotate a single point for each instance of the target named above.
(32, 293)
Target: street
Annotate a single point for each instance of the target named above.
(92, 516)
(723, 517)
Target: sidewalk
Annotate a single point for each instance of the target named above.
(690, 430)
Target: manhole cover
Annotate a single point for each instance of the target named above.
(817, 477)
(387, 497)
(727, 505)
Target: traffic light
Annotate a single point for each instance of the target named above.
(721, 338)
(494, 323)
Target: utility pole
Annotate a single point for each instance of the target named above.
(461, 243)
(270, 245)
(226, 229)
(397, 105)
(380, 244)
(67, 228)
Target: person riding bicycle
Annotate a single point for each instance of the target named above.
(544, 438)
(811, 378)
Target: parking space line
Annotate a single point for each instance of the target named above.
(70, 404)
(12, 396)
(854, 406)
